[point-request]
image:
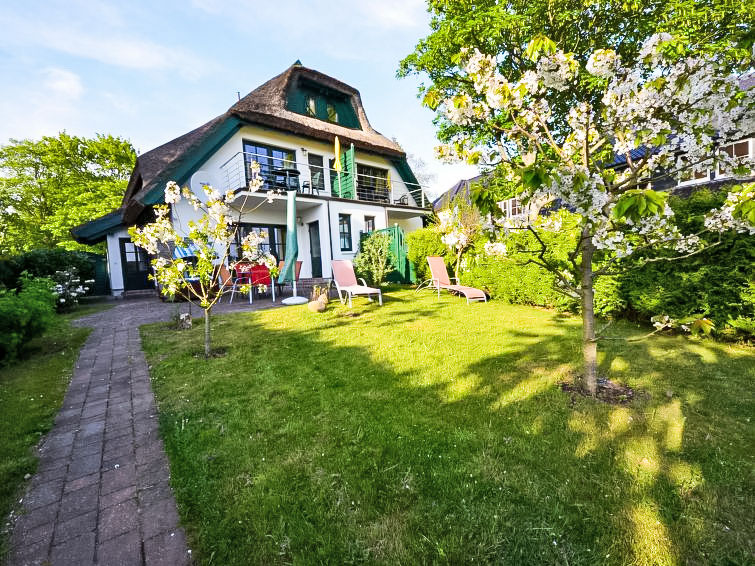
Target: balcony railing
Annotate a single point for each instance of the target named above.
(234, 177)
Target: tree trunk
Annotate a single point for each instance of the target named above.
(589, 345)
(206, 333)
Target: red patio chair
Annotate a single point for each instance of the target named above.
(441, 280)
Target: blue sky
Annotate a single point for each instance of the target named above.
(151, 71)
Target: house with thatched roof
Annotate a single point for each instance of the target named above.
(287, 124)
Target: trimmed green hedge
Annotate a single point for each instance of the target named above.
(24, 314)
(718, 284)
(45, 263)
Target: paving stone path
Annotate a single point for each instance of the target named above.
(101, 494)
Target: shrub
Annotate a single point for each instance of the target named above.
(717, 283)
(24, 314)
(373, 262)
(68, 288)
(422, 243)
(45, 263)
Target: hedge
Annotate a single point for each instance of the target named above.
(24, 314)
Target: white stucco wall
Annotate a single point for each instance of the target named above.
(114, 265)
(225, 168)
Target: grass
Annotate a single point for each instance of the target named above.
(435, 432)
(31, 392)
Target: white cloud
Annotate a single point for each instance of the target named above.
(102, 37)
(63, 83)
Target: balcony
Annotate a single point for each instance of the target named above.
(322, 182)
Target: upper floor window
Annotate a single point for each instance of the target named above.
(689, 176)
(332, 113)
(316, 100)
(311, 106)
(372, 183)
(270, 158)
(512, 207)
(344, 231)
(316, 172)
(738, 150)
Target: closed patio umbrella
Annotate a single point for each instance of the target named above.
(288, 273)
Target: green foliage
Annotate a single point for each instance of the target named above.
(638, 203)
(24, 314)
(717, 283)
(57, 183)
(373, 262)
(514, 282)
(46, 263)
(423, 243)
(357, 436)
(508, 28)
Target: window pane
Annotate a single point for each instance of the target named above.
(311, 107)
(316, 172)
(332, 114)
(369, 223)
(344, 231)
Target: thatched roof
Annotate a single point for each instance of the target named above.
(266, 105)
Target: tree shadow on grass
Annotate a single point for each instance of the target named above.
(307, 445)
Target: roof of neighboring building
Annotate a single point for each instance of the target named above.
(460, 188)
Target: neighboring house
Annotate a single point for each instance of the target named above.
(511, 208)
(289, 122)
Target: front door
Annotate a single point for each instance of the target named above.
(135, 262)
(314, 248)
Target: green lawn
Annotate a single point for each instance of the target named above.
(31, 392)
(435, 432)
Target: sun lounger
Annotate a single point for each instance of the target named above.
(346, 282)
(441, 280)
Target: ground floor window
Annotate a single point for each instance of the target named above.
(274, 241)
(344, 231)
(369, 223)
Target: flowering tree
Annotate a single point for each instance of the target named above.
(459, 225)
(210, 237)
(627, 125)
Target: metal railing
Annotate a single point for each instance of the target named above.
(370, 189)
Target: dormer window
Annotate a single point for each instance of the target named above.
(315, 100)
(332, 113)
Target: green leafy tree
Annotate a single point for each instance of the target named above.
(50, 185)
(553, 93)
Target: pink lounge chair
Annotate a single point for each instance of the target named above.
(346, 282)
(440, 280)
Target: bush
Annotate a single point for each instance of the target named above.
(24, 314)
(373, 262)
(68, 288)
(45, 263)
(717, 284)
(510, 280)
(423, 243)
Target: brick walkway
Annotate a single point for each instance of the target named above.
(101, 494)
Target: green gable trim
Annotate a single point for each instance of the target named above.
(298, 94)
(189, 164)
(405, 172)
(97, 230)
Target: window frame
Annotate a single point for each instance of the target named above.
(344, 220)
(369, 224)
(270, 160)
(314, 168)
(750, 151)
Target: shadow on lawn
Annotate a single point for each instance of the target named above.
(338, 455)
